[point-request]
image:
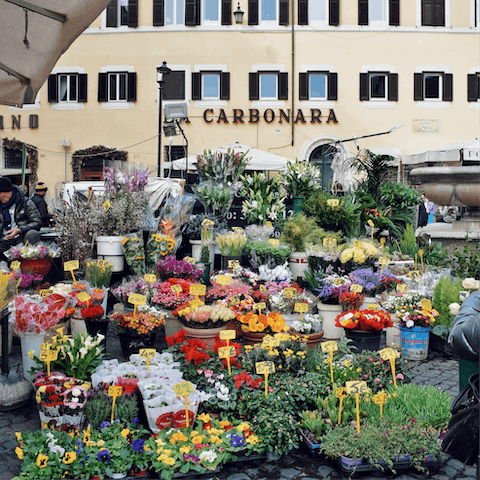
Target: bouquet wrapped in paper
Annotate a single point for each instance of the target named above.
(215, 196)
(133, 249)
(227, 166)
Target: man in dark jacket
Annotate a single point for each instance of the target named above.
(39, 200)
(19, 217)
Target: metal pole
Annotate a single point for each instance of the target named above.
(65, 163)
(23, 167)
(186, 150)
(159, 159)
(5, 351)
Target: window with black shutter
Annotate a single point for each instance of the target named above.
(284, 13)
(473, 87)
(67, 88)
(174, 86)
(433, 86)
(253, 86)
(394, 12)
(192, 12)
(433, 13)
(253, 12)
(117, 87)
(334, 12)
(302, 12)
(226, 12)
(318, 86)
(120, 13)
(210, 85)
(363, 12)
(379, 86)
(158, 13)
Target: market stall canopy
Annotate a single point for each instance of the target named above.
(258, 159)
(34, 34)
(448, 153)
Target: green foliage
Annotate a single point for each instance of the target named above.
(193, 228)
(264, 253)
(447, 291)
(399, 196)
(466, 263)
(408, 242)
(435, 254)
(296, 229)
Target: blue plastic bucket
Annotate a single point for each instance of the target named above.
(415, 342)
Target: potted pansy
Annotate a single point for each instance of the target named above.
(308, 328)
(74, 400)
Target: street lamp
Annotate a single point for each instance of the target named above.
(161, 72)
(238, 14)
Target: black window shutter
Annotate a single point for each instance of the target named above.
(394, 12)
(332, 86)
(132, 87)
(226, 12)
(196, 86)
(303, 86)
(133, 13)
(52, 89)
(447, 87)
(363, 12)
(174, 86)
(393, 87)
(112, 14)
(253, 12)
(334, 12)
(472, 87)
(427, 8)
(192, 12)
(418, 87)
(302, 12)
(253, 86)
(364, 90)
(225, 86)
(82, 87)
(102, 87)
(283, 86)
(158, 13)
(284, 12)
(438, 13)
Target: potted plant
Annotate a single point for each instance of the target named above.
(231, 246)
(192, 230)
(169, 267)
(34, 259)
(309, 329)
(267, 253)
(256, 325)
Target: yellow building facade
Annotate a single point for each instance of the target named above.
(342, 68)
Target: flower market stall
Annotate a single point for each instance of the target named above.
(204, 367)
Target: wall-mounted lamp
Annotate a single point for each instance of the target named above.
(238, 14)
(169, 129)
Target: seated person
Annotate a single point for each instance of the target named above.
(450, 214)
(19, 217)
(39, 200)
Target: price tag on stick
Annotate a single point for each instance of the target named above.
(182, 390)
(420, 253)
(390, 354)
(15, 265)
(341, 393)
(301, 307)
(224, 279)
(136, 299)
(265, 368)
(197, 289)
(330, 347)
(114, 392)
(357, 388)
(233, 264)
(48, 356)
(379, 399)
(227, 352)
(260, 306)
(147, 353)
(70, 267)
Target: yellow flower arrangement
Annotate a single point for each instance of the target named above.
(271, 323)
(359, 253)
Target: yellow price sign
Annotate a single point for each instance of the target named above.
(115, 391)
(268, 224)
(273, 242)
(354, 287)
(426, 304)
(147, 352)
(333, 202)
(15, 265)
(301, 307)
(372, 306)
(228, 334)
(341, 392)
(384, 260)
(45, 292)
(388, 353)
(238, 229)
(402, 287)
(329, 346)
(84, 297)
(262, 289)
(289, 291)
(224, 279)
(370, 222)
(71, 265)
(48, 355)
(264, 367)
(233, 263)
(207, 223)
(176, 288)
(380, 398)
(106, 205)
(226, 352)
(357, 244)
(150, 277)
(198, 289)
(260, 306)
(357, 387)
(413, 274)
(182, 389)
(137, 299)
(329, 242)
(233, 301)
(190, 260)
(383, 240)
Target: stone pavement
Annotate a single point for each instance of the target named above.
(437, 370)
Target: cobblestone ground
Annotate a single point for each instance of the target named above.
(437, 370)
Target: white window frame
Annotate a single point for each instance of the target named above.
(202, 79)
(275, 68)
(119, 17)
(385, 77)
(204, 21)
(440, 86)
(320, 68)
(117, 88)
(206, 68)
(268, 22)
(378, 102)
(419, 16)
(69, 77)
(318, 99)
(379, 23)
(311, 4)
(433, 103)
(176, 20)
(68, 105)
(116, 104)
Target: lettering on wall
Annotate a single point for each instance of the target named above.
(268, 116)
(17, 122)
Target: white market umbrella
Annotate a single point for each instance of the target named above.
(33, 36)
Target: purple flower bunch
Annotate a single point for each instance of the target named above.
(28, 279)
(330, 293)
(370, 281)
(169, 267)
(193, 458)
(119, 182)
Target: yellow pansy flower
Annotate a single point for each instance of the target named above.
(169, 461)
(19, 436)
(42, 460)
(253, 439)
(19, 452)
(243, 427)
(100, 443)
(224, 423)
(69, 457)
(162, 457)
(125, 432)
(159, 442)
(197, 439)
(193, 433)
(167, 452)
(89, 443)
(204, 417)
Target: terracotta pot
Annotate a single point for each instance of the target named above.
(138, 473)
(252, 338)
(36, 266)
(311, 339)
(205, 335)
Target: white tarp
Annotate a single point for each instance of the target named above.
(258, 159)
(447, 153)
(33, 36)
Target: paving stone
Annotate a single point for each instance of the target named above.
(470, 472)
(324, 470)
(252, 471)
(440, 477)
(289, 472)
(269, 466)
(456, 464)
(449, 471)
(239, 476)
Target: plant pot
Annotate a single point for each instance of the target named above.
(136, 472)
(368, 300)
(110, 248)
(77, 326)
(118, 475)
(393, 336)
(297, 204)
(298, 264)
(415, 342)
(369, 340)
(329, 313)
(30, 341)
(36, 266)
(132, 343)
(252, 338)
(205, 335)
(172, 325)
(312, 340)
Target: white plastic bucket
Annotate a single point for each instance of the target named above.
(329, 313)
(111, 249)
(298, 264)
(30, 341)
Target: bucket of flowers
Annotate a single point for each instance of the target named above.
(34, 259)
(74, 399)
(170, 267)
(256, 325)
(309, 329)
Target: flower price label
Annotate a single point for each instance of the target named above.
(383, 261)
(390, 354)
(379, 399)
(137, 299)
(226, 352)
(263, 368)
(238, 229)
(262, 288)
(84, 297)
(301, 308)
(372, 306)
(228, 334)
(426, 304)
(382, 242)
(48, 356)
(333, 202)
(259, 306)
(147, 353)
(15, 265)
(207, 223)
(289, 291)
(176, 289)
(71, 265)
(190, 260)
(233, 264)
(329, 242)
(413, 274)
(197, 289)
(182, 390)
(274, 242)
(402, 287)
(330, 347)
(354, 287)
(114, 392)
(150, 277)
(106, 205)
(340, 393)
(45, 292)
(356, 388)
(357, 244)
(224, 279)
(420, 254)
(370, 222)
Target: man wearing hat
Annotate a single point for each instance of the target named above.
(39, 201)
(19, 217)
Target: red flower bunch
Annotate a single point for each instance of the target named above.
(92, 312)
(365, 320)
(223, 343)
(164, 296)
(351, 300)
(176, 338)
(193, 349)
(247, 379)
(390, 283)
